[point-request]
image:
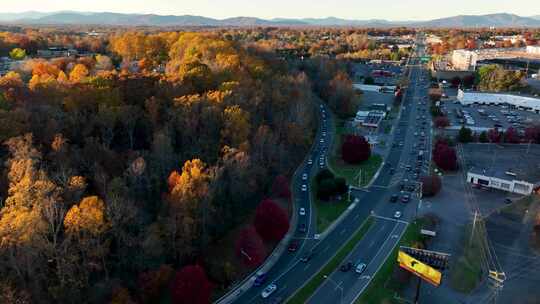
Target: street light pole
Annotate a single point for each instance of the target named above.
(337, 286)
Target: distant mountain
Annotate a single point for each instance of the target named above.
(496, 20)
(105, 18)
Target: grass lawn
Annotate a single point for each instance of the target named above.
(328, 212)
(466, 273)
(303, 294)
(356, 175)
(380, 290)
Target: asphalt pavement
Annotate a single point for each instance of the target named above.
(290, 274)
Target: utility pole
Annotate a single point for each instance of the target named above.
(473, 226)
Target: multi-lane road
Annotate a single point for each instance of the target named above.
(289, 273)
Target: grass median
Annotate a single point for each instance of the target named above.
(303, 294)
(380, 290)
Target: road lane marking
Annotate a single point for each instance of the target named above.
(307, 266)
(343, 231)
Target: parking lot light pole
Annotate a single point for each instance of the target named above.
(337, 286)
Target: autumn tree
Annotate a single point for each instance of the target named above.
(494, 135)
(431, 185)
(465, 135)
(355, 149)
(271, 221)
(236, 127)
(445, 156)
(188, 193)
(250, 247)
(442, 122)
(191, 286)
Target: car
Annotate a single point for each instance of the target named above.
(260, 279)
(302, 228)
(360, 267)
(321, 164)
(268, 290)
(293, 246)
(393, 198)
(411, 188)
(321, 141)
(304, 188)
(304, 176)
(405, 198)
(392, 171)
(507, 201)
(346, 267)
(323, 133)
(306, 257)
(302, 211)
(397, 214)
(408, 167)
(310, 161)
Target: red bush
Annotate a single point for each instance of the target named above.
(250, 247)
(444, 156)
(191, 286)
(511, 136)
(271, 221)
(442, 122)
(355, 149)
(431, 185)
(280, 187)
(532, 134)
(494, 136)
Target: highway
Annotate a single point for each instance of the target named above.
(290, 274)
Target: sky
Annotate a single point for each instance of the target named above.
(350, 9)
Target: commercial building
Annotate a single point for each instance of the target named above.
(518, 101)
(56, 52)
(533, 49)
(502, 180)
(464, 60)
(508, 167)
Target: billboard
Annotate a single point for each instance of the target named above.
(426, 272)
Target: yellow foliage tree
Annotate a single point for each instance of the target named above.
(87, 217)
(79, 73)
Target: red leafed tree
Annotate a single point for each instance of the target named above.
(271, 221)
(442, 122)
(532, 134)
(250, 247)
(152, 283)
(280, 187)
(355, 149)
(431, 185)
(191, 286)
(494, 136)
(511, 136)
(444, 156)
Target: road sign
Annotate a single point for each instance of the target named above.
(424, 271)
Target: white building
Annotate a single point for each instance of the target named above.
(533, 49)
(464, 60)
(506, 181)
(518, 101)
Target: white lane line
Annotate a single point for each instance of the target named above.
(342, 231)
(371, 244)
(307, 266)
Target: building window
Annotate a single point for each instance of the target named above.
(521, 188)
(483, 182)
(505, 186)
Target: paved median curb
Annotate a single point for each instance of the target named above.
(332, 263)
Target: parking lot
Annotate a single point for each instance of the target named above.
(366, 70)
(485, 117)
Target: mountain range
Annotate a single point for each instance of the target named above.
(118, 19)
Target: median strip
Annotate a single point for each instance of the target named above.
(303, 294)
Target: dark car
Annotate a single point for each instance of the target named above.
(302, 228)
(507, 201)
(405, 199)
(293, 246)
(307, 257)
(346, 267)
(401, 186)
(392, 170)
(260, 279)
(411, 188)
(394, 198)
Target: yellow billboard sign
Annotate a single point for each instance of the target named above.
(426, 272)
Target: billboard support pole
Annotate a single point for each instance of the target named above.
(417, 297)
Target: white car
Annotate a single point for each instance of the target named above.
(310, 161)
(302, 211)
(397, 214)
(321, 141)
(304, 188)
(304, 176)
(268, 290)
